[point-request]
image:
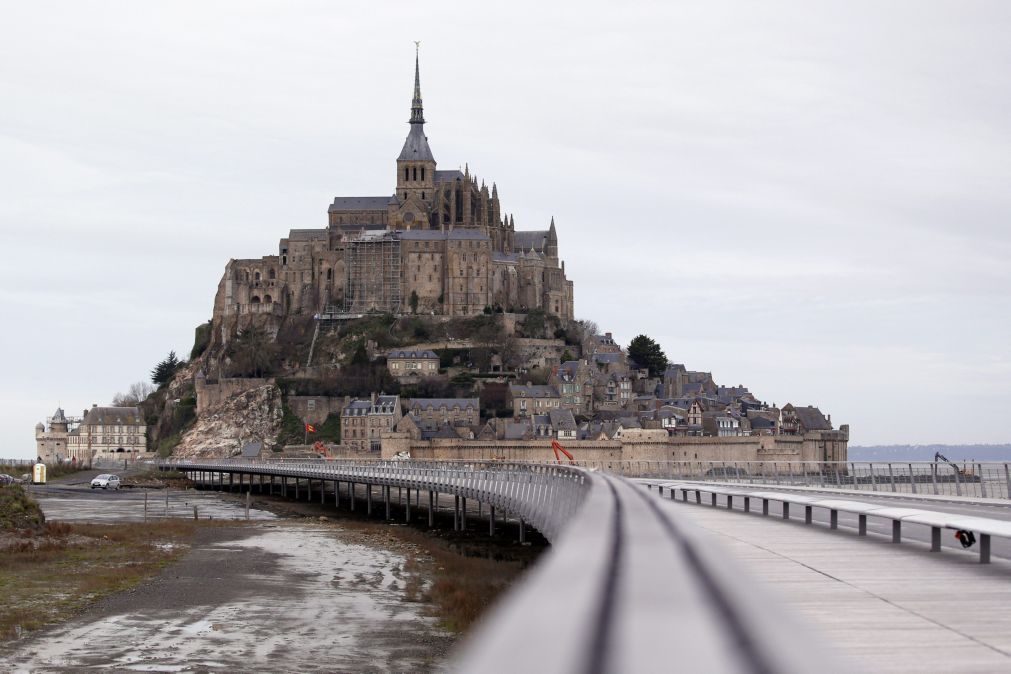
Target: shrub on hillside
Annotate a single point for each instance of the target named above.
(18, 510)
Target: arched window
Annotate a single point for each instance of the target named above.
(329, 274)
(271, 275)
(422, 194)
(256, 276)
(267, 299)
(255, 299)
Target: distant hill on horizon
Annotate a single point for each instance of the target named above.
(926, 452)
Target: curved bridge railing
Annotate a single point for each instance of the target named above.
(626, 587)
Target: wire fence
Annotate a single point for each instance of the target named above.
(967, 478)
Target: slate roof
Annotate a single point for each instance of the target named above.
(562, 420)
(123, 416)
(359, 204)
(360, 408)
(448, 176)
(437, 403)
(306, 234)
(607, 357)
(524, 241)
(416, 146)
(403, 353)
(812, 418)
(436, 235)
(532, 391)
(517, 430)
(505, 257)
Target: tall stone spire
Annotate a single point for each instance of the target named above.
(416, 146)
(417, 110)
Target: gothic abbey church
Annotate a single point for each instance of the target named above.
(440, 244)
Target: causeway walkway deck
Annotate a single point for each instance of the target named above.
(885, 607)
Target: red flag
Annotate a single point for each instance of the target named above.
(309, 428)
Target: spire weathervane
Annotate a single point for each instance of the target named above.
(417, 111)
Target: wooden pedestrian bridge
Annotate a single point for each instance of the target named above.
(635, 581)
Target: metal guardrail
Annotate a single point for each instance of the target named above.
(625, 587)
(977, 479)
(986, 527)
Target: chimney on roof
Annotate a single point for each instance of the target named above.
(93, 405)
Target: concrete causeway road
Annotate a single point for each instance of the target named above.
(886, 607)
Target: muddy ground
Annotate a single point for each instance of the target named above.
(285, 591)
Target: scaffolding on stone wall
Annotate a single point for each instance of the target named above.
(373, 280)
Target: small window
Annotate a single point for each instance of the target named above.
(415, 173)
(407, 174)
(422, 177)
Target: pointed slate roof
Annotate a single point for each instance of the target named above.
(416, 146)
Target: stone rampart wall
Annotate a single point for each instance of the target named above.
(757, 448)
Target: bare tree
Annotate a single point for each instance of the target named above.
(136, 394)
(587, 331)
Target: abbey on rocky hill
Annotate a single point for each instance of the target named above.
(439, 244)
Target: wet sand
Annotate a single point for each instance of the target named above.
(281, 595)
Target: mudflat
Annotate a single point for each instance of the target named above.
(296, 596)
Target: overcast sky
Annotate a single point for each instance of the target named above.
(808, 198)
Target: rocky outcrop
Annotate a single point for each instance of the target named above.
(221, 431)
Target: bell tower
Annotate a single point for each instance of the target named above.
(416, 165)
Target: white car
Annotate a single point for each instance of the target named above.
(106, 481)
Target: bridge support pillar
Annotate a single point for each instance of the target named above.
(673, 495)
(284, 486)
(730, 502)
(368, 499)
(833, 519)
(407, 506)
(296, 488)
(808, 514)
(386, 499)
(336, 493)
(896, 531)
(786, 510)
(684, 495)
(456, 513)
(747, 504)
(431, 508)
(935, 539)
(322, 491)
(491, 520)
(862, 529)
(765, 506)
(713, 499)
(698, 496)
(523, 531)
(400, 496)
(984, 548)
(463, 514)
(351, 495)
(231, 481)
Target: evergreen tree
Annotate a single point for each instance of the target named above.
(648, 354)
(163, 371)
